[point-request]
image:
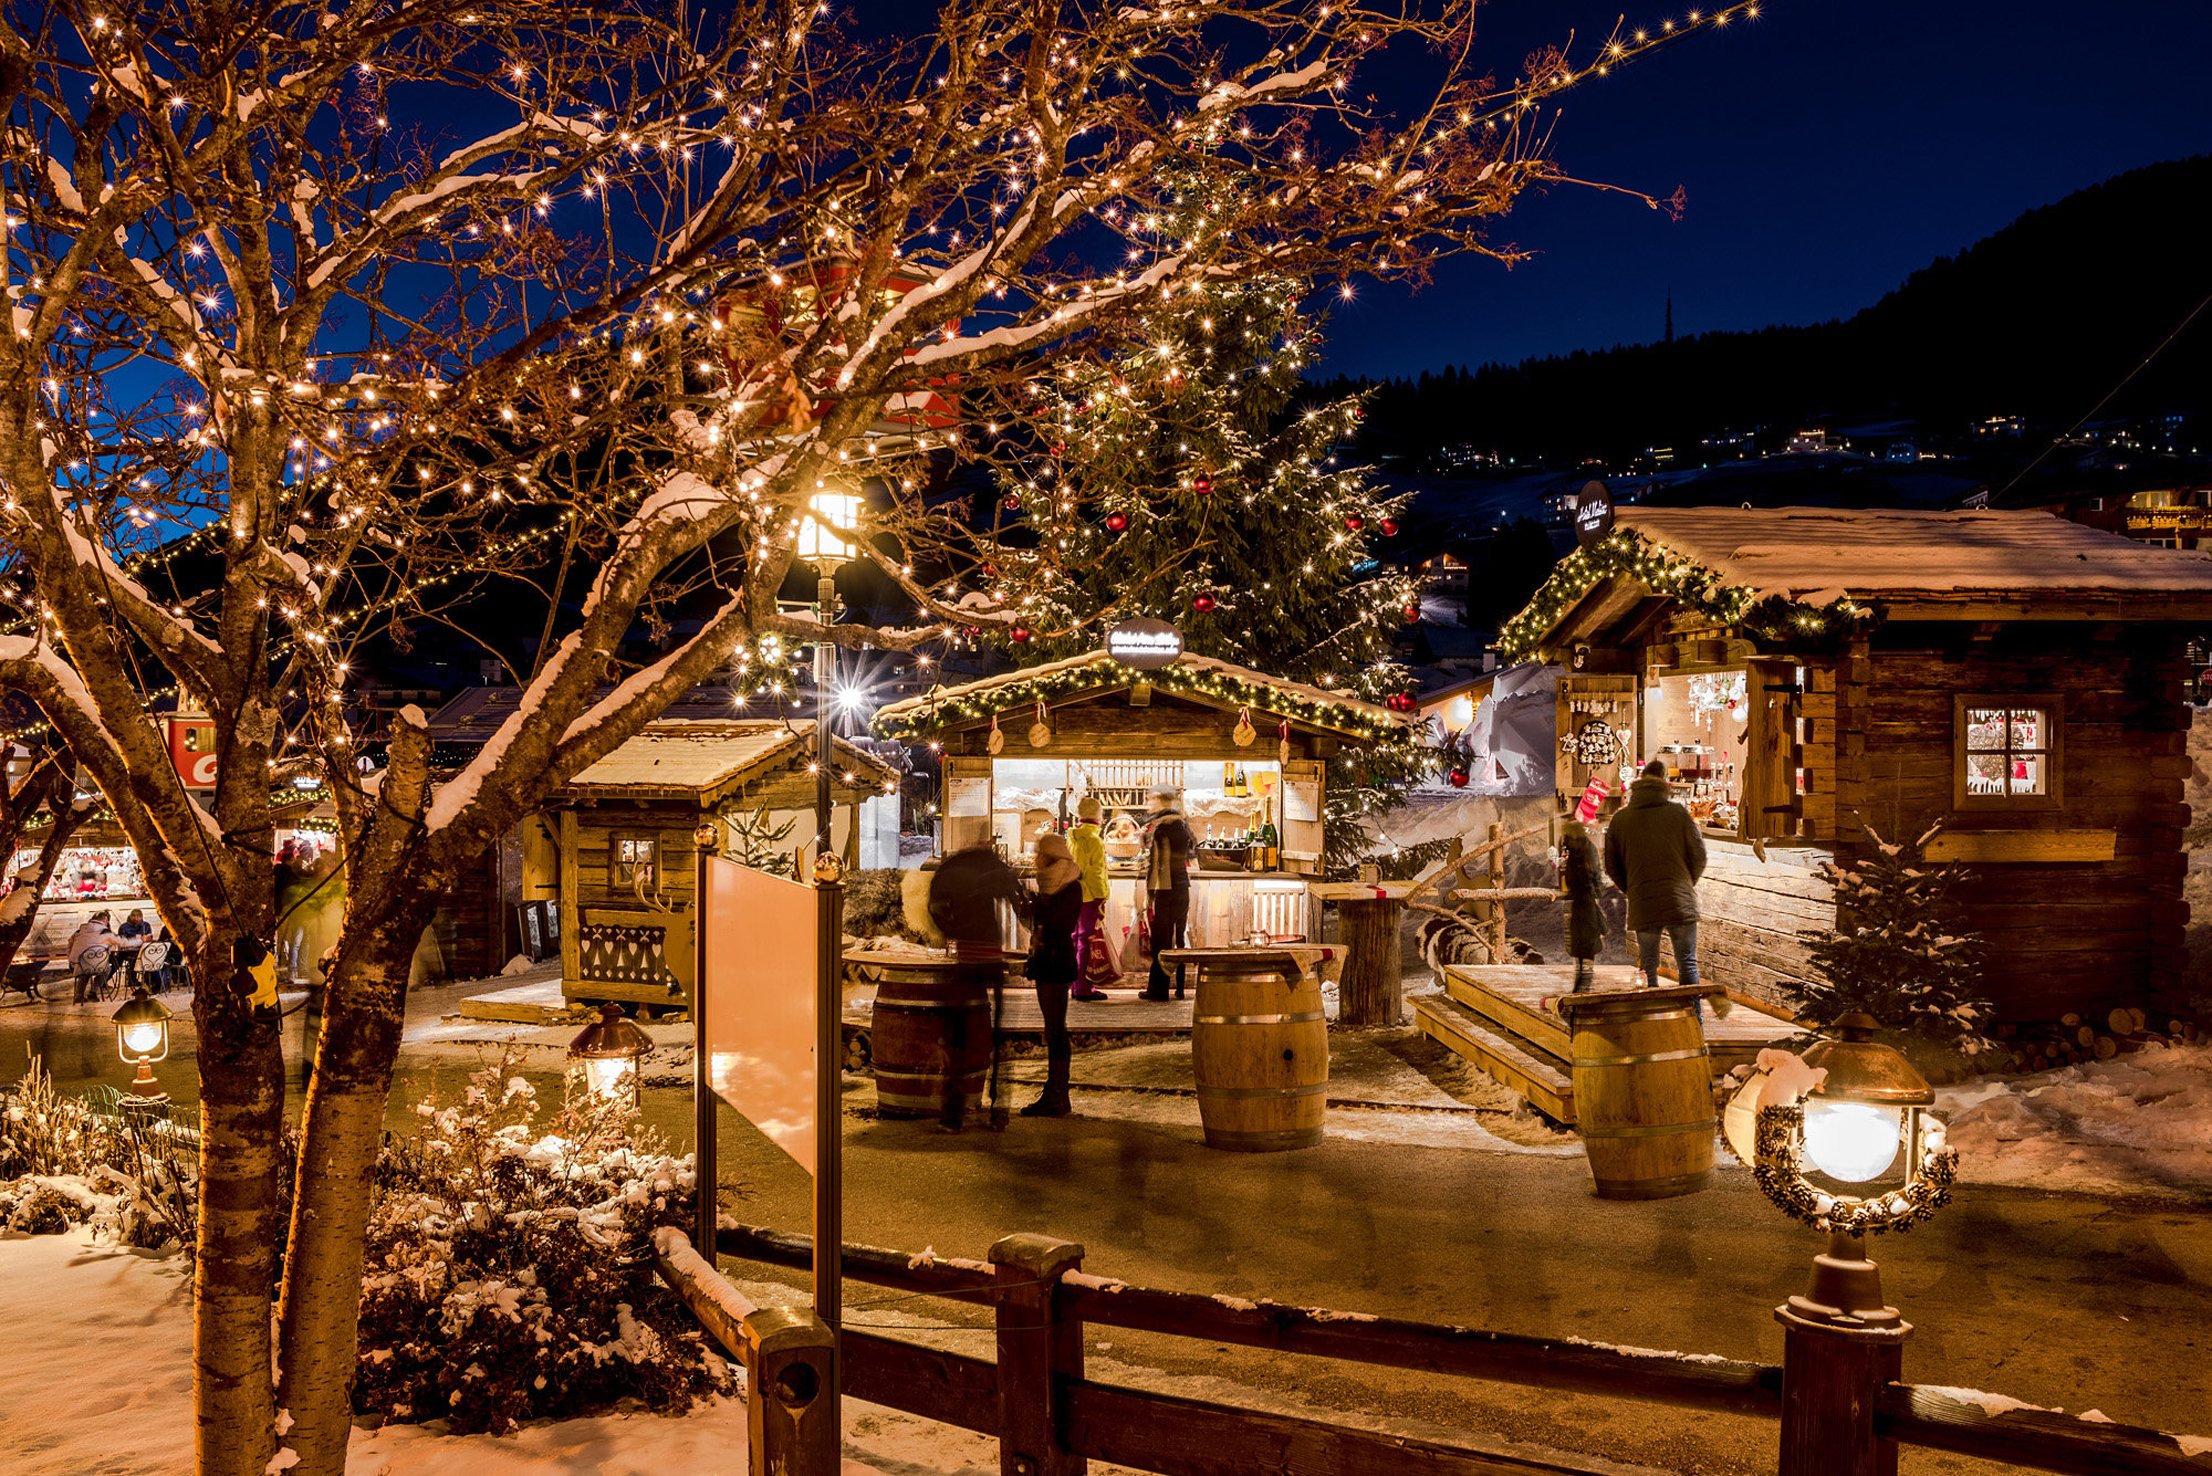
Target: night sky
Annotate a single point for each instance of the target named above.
(1827, 150)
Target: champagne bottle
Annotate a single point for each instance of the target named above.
(1270, 843)
(1228, 779)
(1238, 790)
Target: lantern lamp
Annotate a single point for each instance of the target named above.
(1850, 1106)
(142, 1038)
(610, 1050)
(820, 537)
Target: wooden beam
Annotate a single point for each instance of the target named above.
(2023, 845)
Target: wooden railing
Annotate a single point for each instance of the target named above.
(1050, 1419)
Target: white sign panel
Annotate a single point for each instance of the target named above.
(968, 797)
(759, 980)
(1302, 799)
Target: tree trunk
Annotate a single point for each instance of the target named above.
(339, 1140)
(1370, 992)
(242, 1120)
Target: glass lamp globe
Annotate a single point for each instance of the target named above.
(826, 513)
(1852, 1141)
(142, 1028)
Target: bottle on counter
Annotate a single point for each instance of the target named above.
(1270, 843)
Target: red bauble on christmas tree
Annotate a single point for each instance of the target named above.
(1115, 522)
(1021, 633)
(1412, 612)
(1355, 522)
(1203, 486)
(1458, 778)
(1202, 603)
(1389, 527)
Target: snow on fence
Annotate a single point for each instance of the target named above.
(1050, 1419)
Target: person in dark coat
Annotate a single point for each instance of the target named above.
(1578, 857)
(1654, 853)
(1053, 966)
(1167, 883)
(963, 902)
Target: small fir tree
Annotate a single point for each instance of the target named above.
(1896, 951)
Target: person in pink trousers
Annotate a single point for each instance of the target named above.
(1089, 847)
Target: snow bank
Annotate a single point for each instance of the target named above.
(2134, 1124)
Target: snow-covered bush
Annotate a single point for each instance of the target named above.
(509, 1271)
(124, 1168)
(1897, 952)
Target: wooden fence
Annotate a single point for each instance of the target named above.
(1050, 1419)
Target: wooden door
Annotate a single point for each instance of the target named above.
(1771, 803)
(1304, 841)
(962, 772)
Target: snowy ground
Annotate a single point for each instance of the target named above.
(2139, 1124)
(75, 1304)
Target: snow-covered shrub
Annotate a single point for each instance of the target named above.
(1897, 951)
(138, 1172)
(509, 1271)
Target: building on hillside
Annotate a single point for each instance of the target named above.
(1814, 679)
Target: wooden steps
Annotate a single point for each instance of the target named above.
(1541, 1079)
(1501, 1018)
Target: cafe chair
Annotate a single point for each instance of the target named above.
(153, 965)
(95, 973)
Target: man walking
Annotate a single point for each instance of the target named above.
(1167, 882)
(1654, 853)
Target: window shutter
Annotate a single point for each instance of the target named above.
(1304, 841)
(962, 831)
(1771, 803)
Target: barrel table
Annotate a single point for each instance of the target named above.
(932, 1025)
(1259, 1045)
(1643, 1090)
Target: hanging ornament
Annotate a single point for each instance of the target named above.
(1241, 735)
(1282, 741)
(1458, 778)
(1013, 502)
(994, 741)
(1389, 527)
(1115, 522)
(1040, 731)
(1202, 603)
(1412, 613)
(1021, 634)
(1355, 522)
(1203, 486)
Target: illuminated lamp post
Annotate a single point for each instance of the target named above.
(822, 541)
(142, 1038)
(1851, 1106)
(610, 1049)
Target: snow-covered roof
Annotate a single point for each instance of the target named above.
(1202, 678)
(708, 759)
(1815, 556)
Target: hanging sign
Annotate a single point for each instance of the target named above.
(1144, 644)
(1593, 513)
(192, 748)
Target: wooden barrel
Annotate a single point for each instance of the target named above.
(932, 1023)
(1643, 1091)
(1260, 1051)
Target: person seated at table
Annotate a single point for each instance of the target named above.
(91, 954)
(135, 927)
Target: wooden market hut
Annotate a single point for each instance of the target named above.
(1114, 731)
(1813, 677)
(615, 848)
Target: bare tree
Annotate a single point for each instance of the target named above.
(382, 302)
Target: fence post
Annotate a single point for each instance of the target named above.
(1040, 1351)
(1840, 1346)
(791, 1394)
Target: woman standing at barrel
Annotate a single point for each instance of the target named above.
(1052, 964)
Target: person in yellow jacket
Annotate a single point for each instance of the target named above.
(1089, 847)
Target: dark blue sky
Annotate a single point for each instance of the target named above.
(1827, 149)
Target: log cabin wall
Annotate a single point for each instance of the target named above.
(1753, 912)
(2063, 934)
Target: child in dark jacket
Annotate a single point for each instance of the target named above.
(1578, 857)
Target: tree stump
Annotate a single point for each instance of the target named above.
(1371, 991)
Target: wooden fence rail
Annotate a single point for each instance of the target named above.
(1050, 1418)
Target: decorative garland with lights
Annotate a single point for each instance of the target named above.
(941, 708)
(1626, 554)
(1780, 1172)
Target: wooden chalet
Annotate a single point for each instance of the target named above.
(1814, 677)
(1089, 724)
(616, 849)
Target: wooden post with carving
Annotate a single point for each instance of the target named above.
(1040, 1353)
(791, 1405)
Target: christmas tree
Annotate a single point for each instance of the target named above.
(1896, 951)
(1182, 479)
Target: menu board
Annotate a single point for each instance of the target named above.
(968, 797)
(1302, 799)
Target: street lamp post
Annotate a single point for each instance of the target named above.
(1851, 1107)
(142, 1038)
(822, 540)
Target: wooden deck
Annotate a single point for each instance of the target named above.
(1504, 1019)
(1125, 1012)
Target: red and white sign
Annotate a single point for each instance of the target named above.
(192, 748)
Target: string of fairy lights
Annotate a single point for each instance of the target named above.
(1329, 495)
(1626, 554)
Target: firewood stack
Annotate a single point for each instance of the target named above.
(2074, 1040)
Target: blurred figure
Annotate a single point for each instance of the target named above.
(1052, 964)
(1167, 882)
